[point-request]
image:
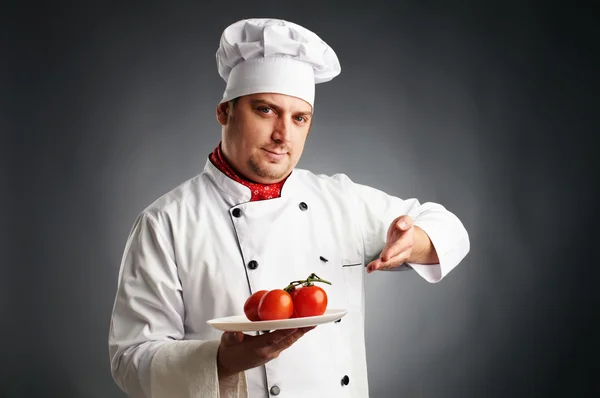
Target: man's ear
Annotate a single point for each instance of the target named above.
(222, 113)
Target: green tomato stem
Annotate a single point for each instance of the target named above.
(306, 282)
(315, 278)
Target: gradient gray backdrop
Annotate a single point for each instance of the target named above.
(486, 109)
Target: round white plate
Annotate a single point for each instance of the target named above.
(239, 323)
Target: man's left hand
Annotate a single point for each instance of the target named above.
(398, 247)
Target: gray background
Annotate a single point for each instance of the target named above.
(486, 109)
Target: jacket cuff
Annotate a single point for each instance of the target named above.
(188, 369)
(450, 248)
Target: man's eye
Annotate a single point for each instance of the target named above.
(264, 109)
(300, 119)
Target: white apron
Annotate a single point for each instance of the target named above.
(198, 253)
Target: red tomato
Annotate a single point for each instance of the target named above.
(309, 301)
(292, 295)
(276, 304)
(251, 305)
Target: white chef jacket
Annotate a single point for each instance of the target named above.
(201, 250)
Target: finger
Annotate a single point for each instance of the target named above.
(394, 261)
(288, 341)
(380, 265)
(373, 265)
(394, 249)
(274, 337)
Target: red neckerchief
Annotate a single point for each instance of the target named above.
(259, 191)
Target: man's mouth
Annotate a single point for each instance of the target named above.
(275, 154)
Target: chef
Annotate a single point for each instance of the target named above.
(253, 221)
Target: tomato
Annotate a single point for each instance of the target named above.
(309, 301)
(251, 305)
(275, 304)
(299, 299)
(292, 295)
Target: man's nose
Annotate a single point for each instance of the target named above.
(281, 130)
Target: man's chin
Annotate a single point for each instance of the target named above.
(265, 170)
(271, 175)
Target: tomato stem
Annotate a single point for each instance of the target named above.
(293, 285)
(306, 282)
(315, 278)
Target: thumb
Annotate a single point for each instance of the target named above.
(232, 338)
(404, 223)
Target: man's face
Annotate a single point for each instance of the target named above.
(264, 135)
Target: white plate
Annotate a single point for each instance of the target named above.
(239, 323)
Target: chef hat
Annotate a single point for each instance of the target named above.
(273, 55)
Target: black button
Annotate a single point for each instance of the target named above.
(338, 321)
(345, 380)
(237, 212)
(253, 264)
(303, 206)
(275, 390)
(323, 259)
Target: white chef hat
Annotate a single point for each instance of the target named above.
(272, 55)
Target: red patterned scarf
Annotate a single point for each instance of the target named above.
(259, 191)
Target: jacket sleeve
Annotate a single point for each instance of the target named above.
(376, 210)
(148, 354)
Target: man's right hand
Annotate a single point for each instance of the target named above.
(239, 352)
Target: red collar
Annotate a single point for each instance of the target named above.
(259, 191)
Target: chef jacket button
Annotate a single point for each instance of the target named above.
(303, 206)
(253, 264)
(345, 380)
(275, 390)
(338, 321)
(237, 212)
